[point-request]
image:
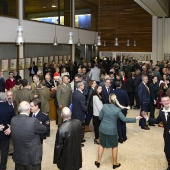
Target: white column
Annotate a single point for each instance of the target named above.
(163, 37)
(21, 48)
(73, 25)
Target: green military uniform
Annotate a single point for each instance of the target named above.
(44, 95)
(24, 94)
(35, 89)
(15, 90)
(64, 95)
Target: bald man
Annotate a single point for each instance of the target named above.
(69, 133)
(25, 133)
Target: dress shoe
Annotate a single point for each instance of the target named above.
(83, 140)
(97, 164)
(145, 127)
(124, 139)
(96, 142)
(120, 141)
(116, 166)
(151, 124)
(82, 145)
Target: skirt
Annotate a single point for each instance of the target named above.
(108, 141)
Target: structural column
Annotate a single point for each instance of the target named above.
(20, 49)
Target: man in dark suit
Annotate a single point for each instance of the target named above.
(137, 81)
(12, 103)
(6, 114)
(79, 108)
(164, 116)
(79, 103)
(69, 155)
(2, 82)
(123, 99)
(106, 91)
(41, 116)
(144, 98)
(33, 69)
(25, 132)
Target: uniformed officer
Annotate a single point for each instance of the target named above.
(25, 93)
(41, 116)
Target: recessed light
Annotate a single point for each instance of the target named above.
(44, 7)
(54, 6)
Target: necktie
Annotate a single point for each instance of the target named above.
(33, 115)
(147, 88)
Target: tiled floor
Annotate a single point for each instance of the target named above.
(142, 151)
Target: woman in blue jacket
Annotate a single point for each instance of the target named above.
(108, 128)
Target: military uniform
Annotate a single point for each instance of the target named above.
(44, 119)
(35, 89)
(44, 95)
(15, 90)
(64, 95)
(24, 94)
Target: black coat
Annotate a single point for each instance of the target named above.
(6, 114)
(90, 98)
(67, 151)
(128, 86)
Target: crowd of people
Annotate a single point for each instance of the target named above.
(101, 90)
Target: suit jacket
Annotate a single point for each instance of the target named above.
(24, 94)
(15, 106)
(160, 118)
(79, 106)
(25, 132)
(122, 97)
(35, 68)
(143, 94)
(44, 95)
(108, 116)
(44, 119)
(2, 84)
(95, 74)
(6, 114)
(105, 95)
(137, 81)
(68, 139)
(64, 95)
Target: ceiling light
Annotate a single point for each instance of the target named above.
(19, 39)
(70, 40)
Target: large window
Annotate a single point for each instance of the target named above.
(50, 11)
(8, 8)
(86, 14)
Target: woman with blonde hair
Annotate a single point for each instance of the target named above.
(108, 128)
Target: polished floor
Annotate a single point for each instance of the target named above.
(142, 151)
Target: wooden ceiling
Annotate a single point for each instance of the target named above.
(122, 18)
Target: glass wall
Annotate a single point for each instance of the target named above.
(86, 14)
(8, 8)
(50, 11)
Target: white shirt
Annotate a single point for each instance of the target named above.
(97, 105)
(35, 114)
(166, 112)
